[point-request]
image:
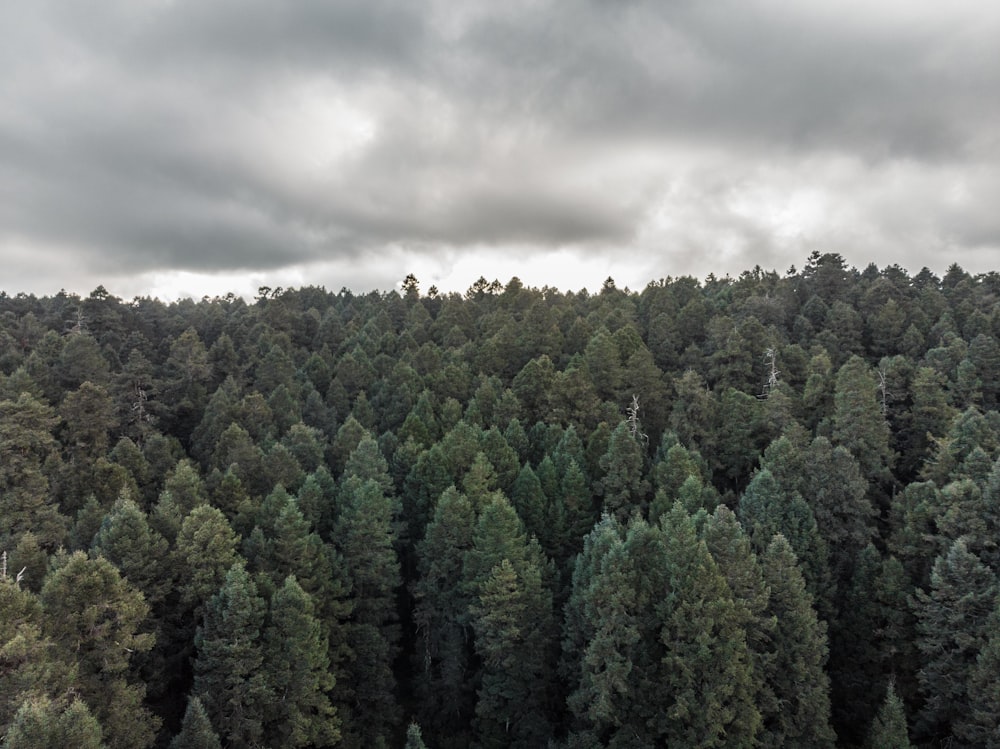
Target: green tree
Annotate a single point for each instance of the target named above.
(980, 724)
(196, 729)
(95, 617)
(952, 627)
(228, 673)
(365, 536)
(297, 668)
(414, 738)
(624, 487)
(708, 686)
(444, 669)
(26, 443)
(796, 676)
(41, 723)
(859, 423)
(888, 731)
(765, 510)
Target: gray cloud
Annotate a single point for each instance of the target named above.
(156, 135)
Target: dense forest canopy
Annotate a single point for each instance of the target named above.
(753, 511)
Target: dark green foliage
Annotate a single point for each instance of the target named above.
(429, 471)
(228, 676)
(795, 675)
(297, 669)
(43, 724)
(623, 487)
(952, 623)
(365, 537)
(888, 730)
(95, 618)
(196, 729)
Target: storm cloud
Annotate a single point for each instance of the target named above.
(349, 143)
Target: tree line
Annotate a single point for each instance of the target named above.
(738, 512)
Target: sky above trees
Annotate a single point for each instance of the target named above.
(176, 147)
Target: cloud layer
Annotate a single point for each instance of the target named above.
(154, 139)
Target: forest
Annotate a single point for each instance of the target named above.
(760, 511)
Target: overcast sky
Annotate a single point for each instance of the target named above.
(196, 147)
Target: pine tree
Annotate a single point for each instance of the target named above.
(26, 443)
(414, 738)
(858, 421)
(441, 616)
(579, 626)
(126, 539)
(297, 668)
(509, 709)
(707, 677)
(796, 677)
(41, 723)
(228, 675)
(623, 487)
(980, 724)
(365, 536)
(952, 627)
(196, 729)
(736, 560)
(505, 573)
(95, 617)
(888, 730)
(766, 510)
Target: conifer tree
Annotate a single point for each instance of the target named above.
(623, 485)
(196, 729)
(505, 616)
(579, 625)
(952, 627)
(228, 675)
(980, 724)
(858, 421)
(365, 537)
(888, 731)
(707, 681)
(441, 616)
(797, 678)
(736, 560)
(138, 551)
(41, 723)
(297, 668)
(765, 510)
(414, 738)
(505, 574)
(95, 617)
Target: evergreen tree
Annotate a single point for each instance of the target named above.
(414, 738)
(952, 627)
(796, 676)
(623, 486)
(736, 560)
(41, 723)
(444, 669)
(365, 537)
(859, 423)
(511, 610)
(196, 729)
(228, 673)
(95, 617)
(765, 510)
(297, 668)
(980, 724)
(888, 731)
(707, 678)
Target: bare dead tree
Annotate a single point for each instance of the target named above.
(773, 373)
(883, 391)
(632, 417)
